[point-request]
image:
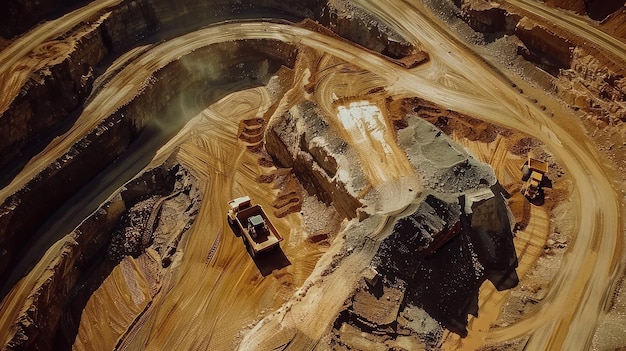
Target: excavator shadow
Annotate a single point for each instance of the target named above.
(267, 262)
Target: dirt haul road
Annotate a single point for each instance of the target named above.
(457, 79)
(574, 25)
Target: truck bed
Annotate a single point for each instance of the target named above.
(261, 242)
(537, 165)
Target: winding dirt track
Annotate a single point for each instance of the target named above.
(562, 19)
(457, 79)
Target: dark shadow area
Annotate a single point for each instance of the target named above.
(445, 281)
(503, 191)
(12, 25)
(539, 199)
(90, 281)
(271, 260)
(490, 38)
(601, 9)
(376, 289)
(33, 147)
(446, 286)
(546, 182)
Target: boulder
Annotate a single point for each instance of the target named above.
(543, 47)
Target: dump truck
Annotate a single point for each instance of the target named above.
(532, 174)
(256, 230)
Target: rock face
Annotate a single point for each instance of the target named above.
(488, 17)
(543, 47)
(304, 141)
(352, 23)
(594, 88)
(457, 234)
(81, 255)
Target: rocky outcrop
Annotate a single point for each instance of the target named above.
(488, 17)
(301, 139)
(81, 253)
(594, 88)
(452, 238)
(458, 236)
(543, 47)
(352, 23)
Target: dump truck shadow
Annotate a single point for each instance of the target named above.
(235, 229)
(274, 259)
(540, 199)
(541, 196)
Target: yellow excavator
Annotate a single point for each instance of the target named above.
(533, 172)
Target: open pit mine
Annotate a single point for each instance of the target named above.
(312, 175)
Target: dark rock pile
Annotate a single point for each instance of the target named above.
(456, 234)
(128, 238)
